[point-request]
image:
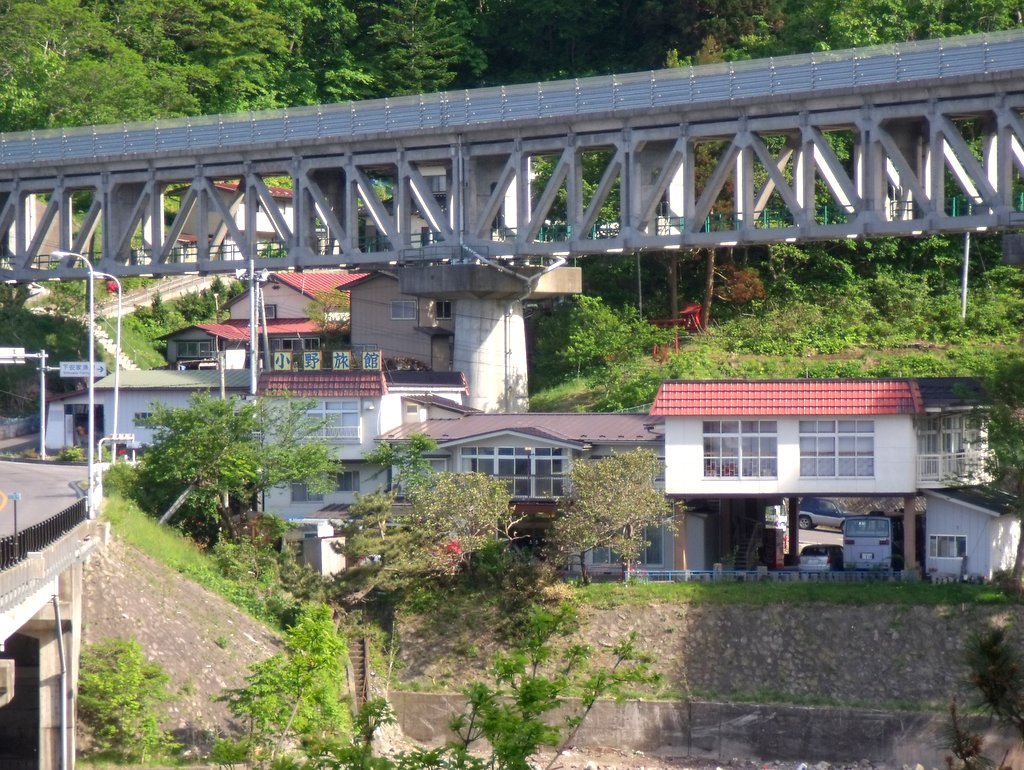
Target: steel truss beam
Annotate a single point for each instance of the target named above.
(890, 153)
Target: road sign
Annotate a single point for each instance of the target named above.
(12, 355)
(81, 369)
(3, 501)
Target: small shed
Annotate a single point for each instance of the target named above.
(971, 532)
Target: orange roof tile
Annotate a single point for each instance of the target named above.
(739, 398)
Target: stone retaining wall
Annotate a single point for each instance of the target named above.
(720, 731)
(896, 668)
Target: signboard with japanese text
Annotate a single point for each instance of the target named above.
(81, 369)
(311, 360)
(341, 360)
(282, 361)
(371, 359)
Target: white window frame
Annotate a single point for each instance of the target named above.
(745, 449)
(840, 449)
(531, 473)
(403, 310)
(295, 343)
(958, 542)
(343, 419)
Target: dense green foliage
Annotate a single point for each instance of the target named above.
(78, 62)
(118, 690)
(873, 309)
(209, 461)
(296, 694)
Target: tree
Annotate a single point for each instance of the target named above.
(416, 46)
(296, 694)
(996, 670)
(117, 692)
(213, 457)
(1005, 425)
(459, 514)
(611, 503)
(330, 311)
(512, 714)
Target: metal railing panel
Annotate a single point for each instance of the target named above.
(15, 548)
(881, 65)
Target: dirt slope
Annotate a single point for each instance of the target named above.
(204, 643)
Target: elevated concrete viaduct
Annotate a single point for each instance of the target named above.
(897, 140)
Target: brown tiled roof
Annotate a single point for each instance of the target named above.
(238, 328)
(314, 282)
(739, 398)
(323, 384)
(579, 428)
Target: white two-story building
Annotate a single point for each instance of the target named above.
(735, 448)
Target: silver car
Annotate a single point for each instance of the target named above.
(821, 512)
(821, 557)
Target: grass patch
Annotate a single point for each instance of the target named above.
(180, 554)
(136, 346)
(611, 595)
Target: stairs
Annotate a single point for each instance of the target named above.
(110, 345)
(359, 676)
(747, 558)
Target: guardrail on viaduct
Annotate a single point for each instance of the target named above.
(15, 548)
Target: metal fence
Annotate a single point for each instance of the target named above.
(764, 574)
(16, 548)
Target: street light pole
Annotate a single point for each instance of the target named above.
(117, 357)
(91, 461)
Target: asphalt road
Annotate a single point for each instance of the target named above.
(46, 489)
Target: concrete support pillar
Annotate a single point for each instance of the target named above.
(793, 508)
(679, 542)
(490, 347)
(58, 671)
(910, 532)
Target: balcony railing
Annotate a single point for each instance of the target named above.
(340, 433)
(947, 467)
(536, 487)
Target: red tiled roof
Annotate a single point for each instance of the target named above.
(313, 282)
(739, 398)
(238, 329)
(324, 384)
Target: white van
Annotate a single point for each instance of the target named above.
(867, 542)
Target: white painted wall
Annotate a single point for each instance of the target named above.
(991, 540)
(131, 403)
(895, 462)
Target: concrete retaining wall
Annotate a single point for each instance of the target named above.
(23, 426)
(721, 731)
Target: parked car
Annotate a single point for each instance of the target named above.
(821, 512)
(821, 557)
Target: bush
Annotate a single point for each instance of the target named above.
(120, 479)
(117, 692)
(71, 454)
